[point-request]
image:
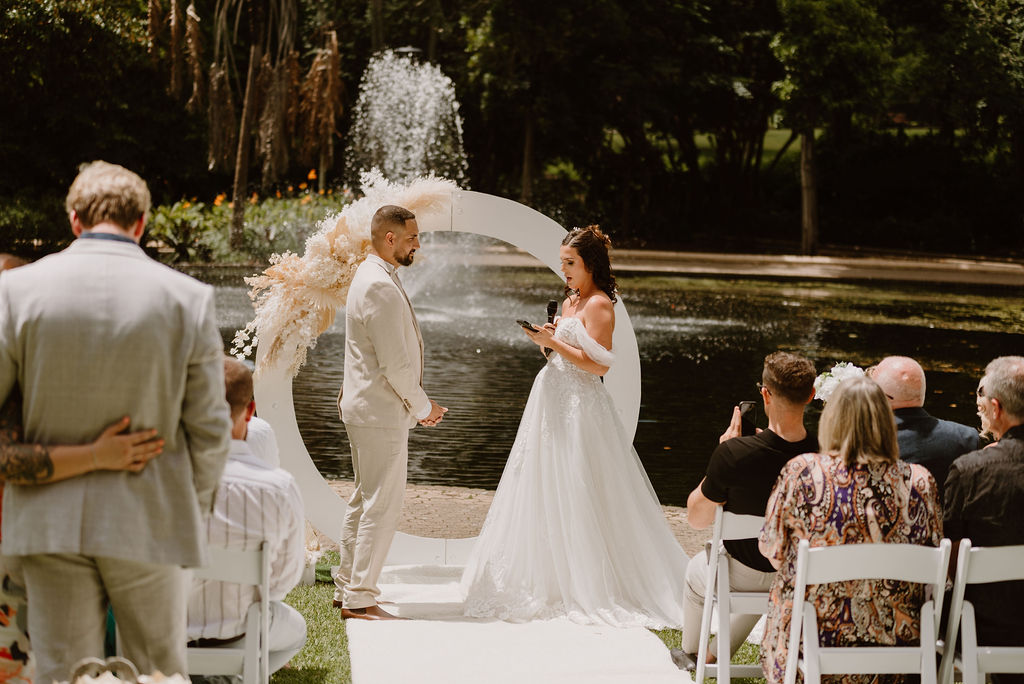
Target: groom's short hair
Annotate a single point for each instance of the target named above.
(789, 376)
(386, 220)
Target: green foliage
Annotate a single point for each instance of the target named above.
(836, 54)
(78, 85)
(33, 224)
(647, 116)
(189, 231)
(185, 227)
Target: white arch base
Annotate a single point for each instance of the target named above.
(471, 212)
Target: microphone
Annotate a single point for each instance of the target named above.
(552, 310)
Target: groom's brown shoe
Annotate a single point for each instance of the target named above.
(368, 613)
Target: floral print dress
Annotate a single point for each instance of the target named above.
(819, 499)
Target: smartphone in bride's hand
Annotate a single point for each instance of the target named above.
(528, 325)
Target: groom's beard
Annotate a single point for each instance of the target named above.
(405, 260)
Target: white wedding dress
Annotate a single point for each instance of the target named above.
(575, 528)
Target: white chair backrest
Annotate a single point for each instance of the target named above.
(251, 657)
(727, 526)
(240, 567)
(900, 562)
(736, 526)
(980, 565)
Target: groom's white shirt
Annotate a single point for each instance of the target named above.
(383, 352)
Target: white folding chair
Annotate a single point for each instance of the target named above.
(979, 566)
(716, 591)
(250, 658)
(901, 562)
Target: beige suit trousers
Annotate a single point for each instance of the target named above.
(379, 460)
(741, 578)
(68, 596)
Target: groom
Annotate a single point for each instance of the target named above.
(381, 398)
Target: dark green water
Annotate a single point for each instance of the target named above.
(702, 342)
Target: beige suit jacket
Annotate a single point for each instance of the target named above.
(383, 353)
(91, 334)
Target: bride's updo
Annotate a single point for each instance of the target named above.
(592, 245)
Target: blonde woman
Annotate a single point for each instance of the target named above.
(856, 491)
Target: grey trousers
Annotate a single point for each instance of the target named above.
(380, 458)
(68, 597)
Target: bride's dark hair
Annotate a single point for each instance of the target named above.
(592, 245)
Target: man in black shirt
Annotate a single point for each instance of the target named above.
(740, 475)
(985, 502)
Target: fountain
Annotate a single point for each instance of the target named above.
(406, 121)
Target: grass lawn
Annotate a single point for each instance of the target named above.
(325, 659)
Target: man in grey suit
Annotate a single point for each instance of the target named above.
(382, 398)
(91, 334)
(923, 439)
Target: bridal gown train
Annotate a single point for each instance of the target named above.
(575, 528)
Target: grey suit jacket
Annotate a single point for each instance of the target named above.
(932, 442)
(91, 334)
(383, 353)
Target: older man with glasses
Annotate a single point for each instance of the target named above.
(985, 501)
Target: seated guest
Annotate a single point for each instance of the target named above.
(985, 502)
(263, 442)
(856, 491)
(740, 475)
(923, 439)
(255, 503)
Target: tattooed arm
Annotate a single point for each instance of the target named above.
(37, 464)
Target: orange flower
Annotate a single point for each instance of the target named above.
(290, 188)
(321, 191)
(302, 186)
(278, 194)
(306, 199)
(255, 198)
(311, 175)
(219, 199)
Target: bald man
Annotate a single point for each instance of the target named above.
(923, 439)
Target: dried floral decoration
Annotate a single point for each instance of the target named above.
(296, 298)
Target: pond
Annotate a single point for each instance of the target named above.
(702, 342)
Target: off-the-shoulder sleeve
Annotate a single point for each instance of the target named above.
(594, 351)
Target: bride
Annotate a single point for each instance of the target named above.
(575, 528)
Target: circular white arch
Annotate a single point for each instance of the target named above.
(471, 212)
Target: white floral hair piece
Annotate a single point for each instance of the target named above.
(296, 297)
(827, 383)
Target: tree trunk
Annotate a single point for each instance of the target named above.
(321, 179)
(526, 193)
(238, 197)
(377, 24)
(808, 194)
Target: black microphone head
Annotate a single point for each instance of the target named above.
(552, 309)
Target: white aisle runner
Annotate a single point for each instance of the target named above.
(439, 645)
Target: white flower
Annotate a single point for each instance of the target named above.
(827, 383)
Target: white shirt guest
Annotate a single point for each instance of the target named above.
(255, 502)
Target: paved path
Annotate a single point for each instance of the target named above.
(913, 269)
(457, 512)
